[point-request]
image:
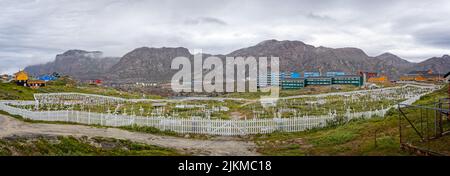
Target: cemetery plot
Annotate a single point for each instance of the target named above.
(309, 105)
(217, 116)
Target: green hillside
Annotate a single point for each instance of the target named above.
(71, 146)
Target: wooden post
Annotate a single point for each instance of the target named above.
(375, 138)
(101, 118)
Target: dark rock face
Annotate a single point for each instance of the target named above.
(79, 64)
(297, 56)
(153, 64)
(146, 64)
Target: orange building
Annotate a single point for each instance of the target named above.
(380, 79)
(418, 78)
(422, 76)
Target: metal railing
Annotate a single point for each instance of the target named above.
(421, 125)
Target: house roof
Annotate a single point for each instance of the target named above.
(446, 75)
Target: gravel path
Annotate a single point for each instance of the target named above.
(223, 146)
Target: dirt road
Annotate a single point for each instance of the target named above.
(10, 126)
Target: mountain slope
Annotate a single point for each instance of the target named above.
(153, 64)
(146, 64)
(393, 60)
(79, 64)
(393, 65)
(437, 64)
(298, 56)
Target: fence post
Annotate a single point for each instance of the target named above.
(101, 118)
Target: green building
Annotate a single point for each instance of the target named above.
(318, 81)
(298, 83)
(292, 83)
(348, 79)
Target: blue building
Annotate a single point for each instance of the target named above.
(286, 75)
(311, 74)
(273, 79)
(295, 75)
(332, 74)
(47, 78)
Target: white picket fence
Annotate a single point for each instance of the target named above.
(194, 125)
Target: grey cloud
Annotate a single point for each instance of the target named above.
(205, 20)
(434, 37)
(35, 31)
(319, 17)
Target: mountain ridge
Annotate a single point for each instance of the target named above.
(145, 64)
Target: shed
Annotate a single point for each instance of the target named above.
(447, 77)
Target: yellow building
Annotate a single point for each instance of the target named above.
(21, 77)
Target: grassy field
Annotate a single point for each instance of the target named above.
(84, 146)
(378, 136)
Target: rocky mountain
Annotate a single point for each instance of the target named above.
(79, 64)
(393, 60)
(153, 64)
(437, 64)
(146, 64)
(298, 56)
(392, 65)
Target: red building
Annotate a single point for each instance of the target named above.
(96, 82)
(368, 74)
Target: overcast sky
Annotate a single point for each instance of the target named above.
(34, 31)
